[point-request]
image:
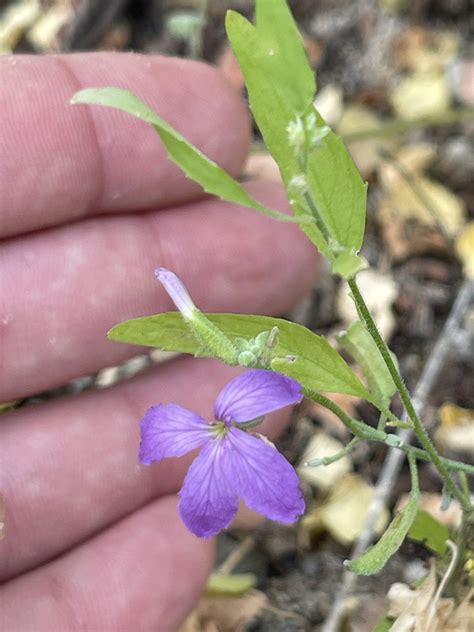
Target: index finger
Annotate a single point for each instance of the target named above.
(61, 163)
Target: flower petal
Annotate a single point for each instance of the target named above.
(262, 476)
(256, 393)
(171, 430)
(208, 499)
(177, 292)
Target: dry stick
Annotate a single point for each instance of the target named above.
(394, 459)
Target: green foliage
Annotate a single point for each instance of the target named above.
(348, 264)
(359, 343)
(299, 352)
(281, 93)
(193, 162)
(384, 624)
(230, 585)
(431, 532)
(375, 558)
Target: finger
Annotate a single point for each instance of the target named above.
(145, 573)
(64, 288)
(71, 465)
(62, 162)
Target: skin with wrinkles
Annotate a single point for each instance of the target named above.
(89, 207)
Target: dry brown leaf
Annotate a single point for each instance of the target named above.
(414, 158)
(424, 49)
(365, 153)
(421, 610)
(230, 614)
(403, 201)
(405, 239)
(380, 292)
(456, 429)
(323, 477)
(465, 248)
(420, 95)
(344, 512)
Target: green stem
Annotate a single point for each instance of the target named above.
(358, 428)
(415, 485)
(363, 431)
(418, 427)
(327, 460)
(421, 455)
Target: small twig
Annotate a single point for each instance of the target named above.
(394, 459)
(236, 556)
(443, 583)
(392, 128)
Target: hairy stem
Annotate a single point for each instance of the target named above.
(363, 431)
(418, 427)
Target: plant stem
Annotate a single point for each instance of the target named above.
(358, 428)
(327, 460)
(418, 427)
(449, 463)
(363, 431)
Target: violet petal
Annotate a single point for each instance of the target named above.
(208, 499)
(177, 292)
(255, 393)
(264, 479)
(170, 430)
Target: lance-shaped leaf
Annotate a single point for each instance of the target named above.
(375, 558)
(430, 531)
(300, 353)
(359, 343)
(333, 180)
(193, 162)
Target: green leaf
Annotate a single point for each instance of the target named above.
(359, 343)
(431, 532)
(348, 264)
(384, 624)
(286, 61)
(230, 585)
(193, 162)
(271, 109)
(333, 180)
(338, 191)
(301, 354)
(375, 558)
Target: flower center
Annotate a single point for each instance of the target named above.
(219, 429)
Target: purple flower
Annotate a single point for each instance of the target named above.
(178, 293)
(232, 462)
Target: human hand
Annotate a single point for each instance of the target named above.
(89, 206)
